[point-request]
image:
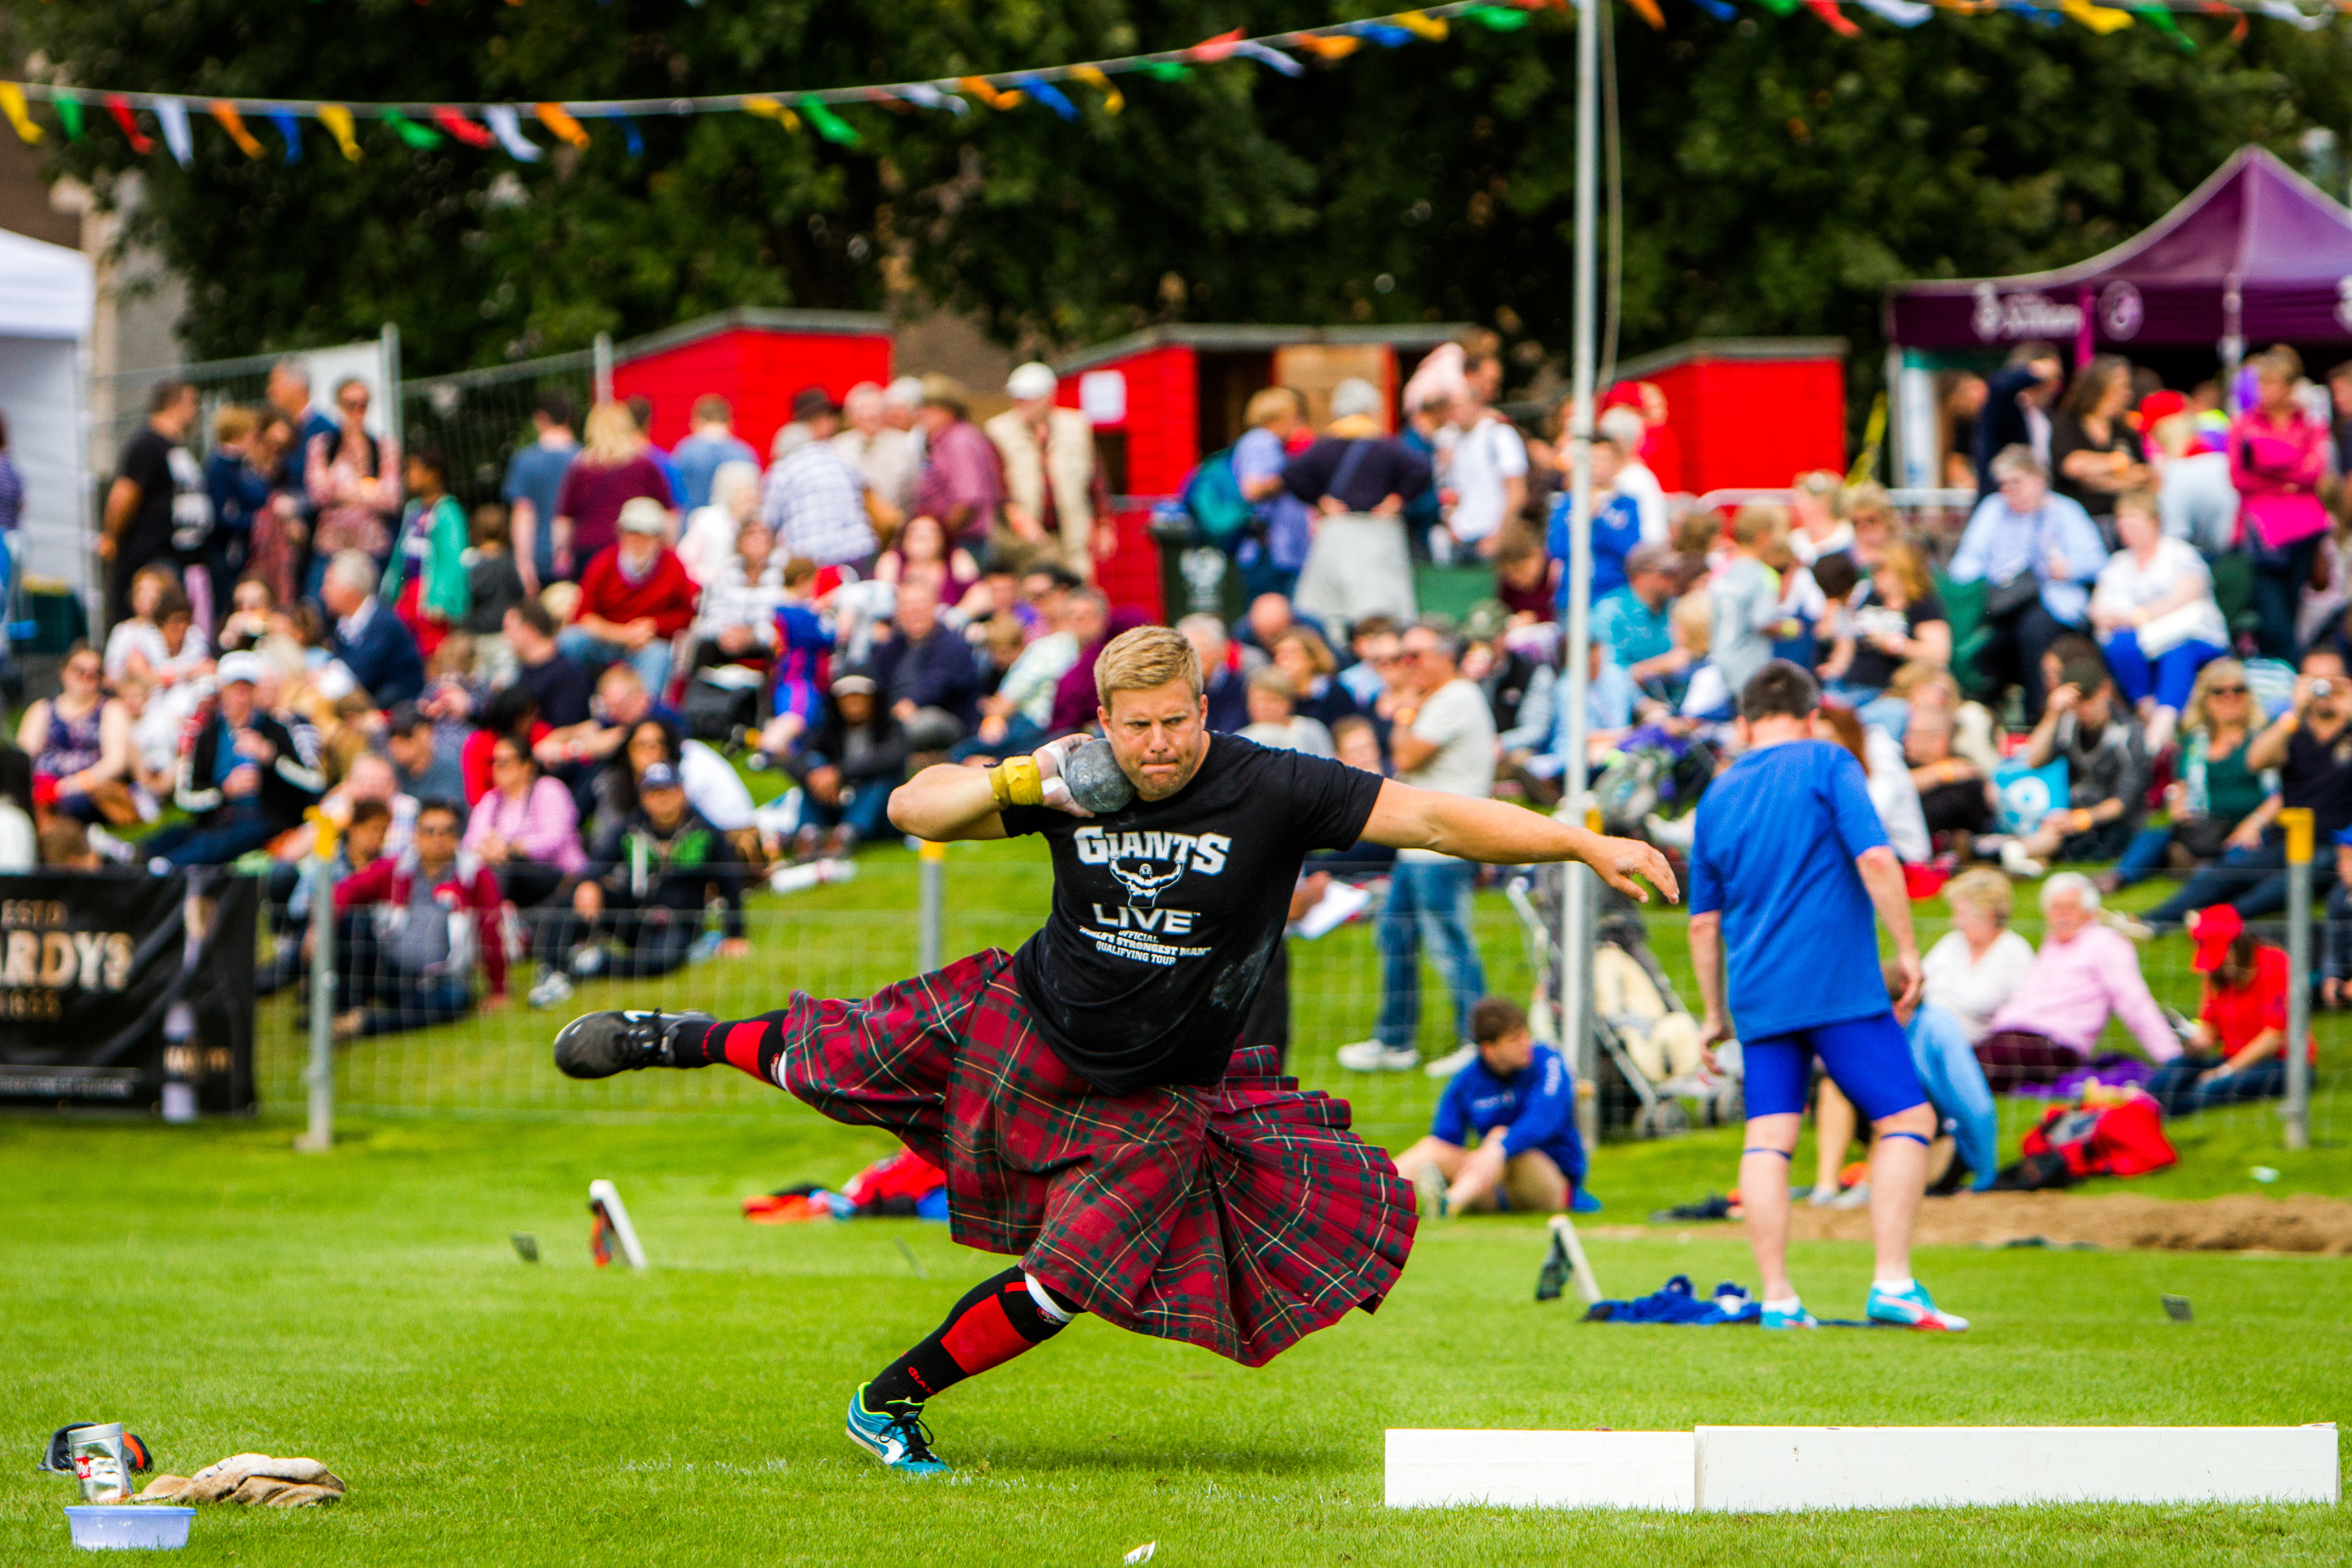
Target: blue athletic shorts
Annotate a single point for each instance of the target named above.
(1865, 1056)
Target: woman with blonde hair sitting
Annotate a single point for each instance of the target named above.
(2218, 802)
(1979, 964)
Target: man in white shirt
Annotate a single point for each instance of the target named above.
(1635, 480)
(1443, 739)
(1488, 475)
(887, 455)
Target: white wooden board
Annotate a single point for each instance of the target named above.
(1433, 1467)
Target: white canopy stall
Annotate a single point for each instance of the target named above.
(45, 296)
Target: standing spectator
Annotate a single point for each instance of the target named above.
(426, 579)
(408, 962)
(1357, 480)
(354, 479)
(152, 478)
(883, 453)
(246, 778)
(710, 530)
(814, 498)
(1616, 526)
(1633, 480)
(2307, 745)
(1523, 574)
(2084, 973)
(1054, 494)
(370, 640)
(534, 484)
(634, 597)
(1227, 687)
(612, 470)
(494, 584)
(2238, 1051)
(2015, 410)
(1977, 966)
(2108, 769)
(557, 685)
(2038, 552)
(420, 767)
(1660, 450)
(2158, 621)
(959, 484)
(2278, 456)
(847, 767)
(1488, 468)
(1962, 408)
(1518, 1100)
(1443, 739)
(288, 395)
(710, 442)
(240, 495)
(1745, 596)
(2095, 454)
(1276, 548)
(927, 673)
(649, 881)
(641, 410)
(2217, 801)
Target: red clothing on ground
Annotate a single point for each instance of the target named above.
(666, 594)
(2239, 1015)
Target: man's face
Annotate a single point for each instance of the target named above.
(1269, 616)
(181, 413)
(934, 417)
(1512, 1053)
(864, 413)
(623, 699)
(1926, 739)
(2024, 492)
(899, 416)
(2337, 700)
(1159, 736)
(1654, 588)
(2066, 917)
(340, 596)
(371, 779)
(639, 548)
(364, 841)
(664, 807)
(918, 611)
(436, 838)
(1208, 647)
(237, 701)
(857, 708)
(524, 637)
(1085, 619)
(1425, 660)
(288, 395)
(1033, 409)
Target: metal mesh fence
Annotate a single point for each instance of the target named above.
(850, 937)
(477, 418)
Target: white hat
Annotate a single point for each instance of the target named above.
(1031, 380)
(907, 391)
(643, 514)
(245, 666)
(1353, 397)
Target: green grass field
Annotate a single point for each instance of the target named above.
(220, 1292)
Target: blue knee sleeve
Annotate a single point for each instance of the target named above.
(1913, 1136)
(1784, 1154)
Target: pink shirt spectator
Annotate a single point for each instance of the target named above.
(543, 825)
(962, 470)
(2075, 986)
(2277, 468)
(352, 513)
(592, 496)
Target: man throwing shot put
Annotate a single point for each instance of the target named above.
(1789, 862)
(1086, 1096)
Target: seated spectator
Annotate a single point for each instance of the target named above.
(1891, 793)
(526, 828)
(848, 768)
(1956, 798)
(1514, 672)
(1523, 577)
(368, 640)
(1919, 688)
(635, 596)
(1818, 527)
(359, 845)
(1375, 642)
(1228, 689)
(1518, 1098)
(1611, 707)
(1976, 967)
(2084, 973)
(369, 777)
(2306, 744)
(1706, 696)
(248, 621)
(1274, 721)
(2039, 554)
(2217, 802)
(650, 880)
(808, 641)
(1895, 618)
(921, 554)
(425, 578)
(2194, 498)
(736, 620)
(430, 914)
(1968, 1124)
(136, 642)
(557, 683)
(1014, 718)
(1870, 513)
(1300, 653)
(1747, 596)
(2238, 1049)
(711, 529)
(713, 788)
(154, 744)
(927, 673)
(1635, 623)
(80, 744)
(2158, 621)
(2108, 769)
(245, 779)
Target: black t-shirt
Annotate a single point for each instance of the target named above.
(2067, 438)
(2318, 774)
(1873, 667)
(562, 688)
(1166, 914)
(147, 463)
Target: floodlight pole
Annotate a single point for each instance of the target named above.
(1575, 888)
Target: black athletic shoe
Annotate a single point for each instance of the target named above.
(598, 1044)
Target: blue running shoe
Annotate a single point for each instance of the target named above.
(1912, 1309)
(1800, 1319)
(901, 1441)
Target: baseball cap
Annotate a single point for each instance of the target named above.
(2160, 405)
(245, 666)
(854, 683)
(643, 514)
(2214, 930)
(661, 776)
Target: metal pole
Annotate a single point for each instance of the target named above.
(391, 356)
(931, 863)
(321, 1074)
(1576, 922)
(2296, 1111)
(603, 374)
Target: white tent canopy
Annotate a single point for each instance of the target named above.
(45, 296)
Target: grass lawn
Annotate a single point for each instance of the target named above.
(220, 1292)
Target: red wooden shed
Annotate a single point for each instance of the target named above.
(1750, 413)
(754, 358)
(1164, 398)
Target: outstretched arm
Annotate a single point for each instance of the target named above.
(1501, 833)
(945, 802)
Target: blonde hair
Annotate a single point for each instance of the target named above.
(1319, 652)
(1268, 403)
(1757, 522)
(235, 424)
(2193, 717)
(1903, 559)
(612, 435)
(1984, 889)
(1868, 497)
(1145, 658)
(1266, 678)
(1693, 620)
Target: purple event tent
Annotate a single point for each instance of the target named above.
(2257, 252)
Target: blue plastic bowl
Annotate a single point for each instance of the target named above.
(129, 1527)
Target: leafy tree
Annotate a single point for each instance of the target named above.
(1776, 177)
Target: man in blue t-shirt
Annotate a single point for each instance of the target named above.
(1519, 1099)
(1788, 863)
(534, 478)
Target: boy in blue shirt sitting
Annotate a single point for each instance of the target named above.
(1520, 1098)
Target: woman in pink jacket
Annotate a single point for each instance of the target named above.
(2278, 455)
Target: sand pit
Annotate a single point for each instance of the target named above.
(2305, 1223)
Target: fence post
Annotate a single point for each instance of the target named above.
(320, 1076)
(2296, 1111)
(1578, 892)
(601, 372)
(931, 862)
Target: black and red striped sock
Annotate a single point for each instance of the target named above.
(752, 1044)
(997, 1320)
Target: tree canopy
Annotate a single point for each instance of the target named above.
(1776, 177)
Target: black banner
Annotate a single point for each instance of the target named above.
(112, 983)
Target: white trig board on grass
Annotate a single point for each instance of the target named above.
(1771, 1469)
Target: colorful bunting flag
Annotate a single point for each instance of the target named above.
(981, 87)
(1339, 46)
(171, 116)
(234, 123)
(832, 126)
(1094, 78)
(1215, 48)
(929, 97)
(565, 128)
(1167, 71)
(120, 107)
(631, 136)
(1266, 57)
(70, 115)
(1648, 11)
(467, 131)
(1422, 24)
(2100, 19)
(1509, 19)
(1839, 22)
(1046, 93)
(1381, 33)
(1715, 8)
(11, 103)
(337, 121)
(506, 126)
(421, 137)
(289, 131)
(1902, 13)
(2160, 18)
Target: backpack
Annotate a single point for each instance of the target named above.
(1212, 497)
(2072, 1141)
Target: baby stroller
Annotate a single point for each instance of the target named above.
(1649, 1041)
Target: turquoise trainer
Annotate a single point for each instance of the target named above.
(901, 1441)
(1913, 1309)
(1800, 1319)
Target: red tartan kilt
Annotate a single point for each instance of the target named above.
(1239, 1217)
